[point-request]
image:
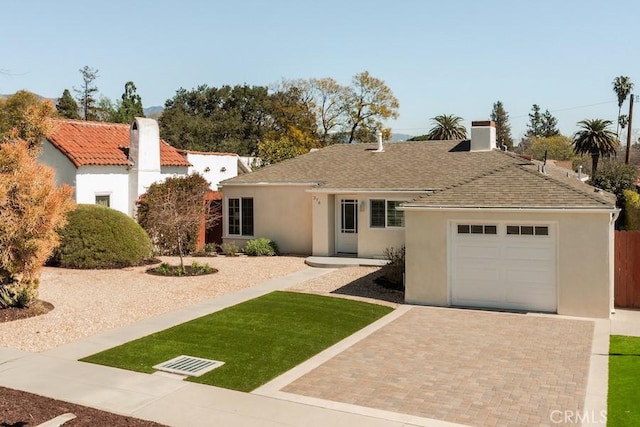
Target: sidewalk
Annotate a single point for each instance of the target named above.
(165, 398)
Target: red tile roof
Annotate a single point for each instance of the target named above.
(98, 143)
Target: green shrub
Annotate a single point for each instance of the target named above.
(100, 237)
(632, 209)
(229, 249)
(261, 247)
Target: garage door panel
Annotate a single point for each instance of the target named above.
(466, 251)
(528, 253)
(479, 290)
(504, 271)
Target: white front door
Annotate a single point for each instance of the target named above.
(504, 265)
(347, 226)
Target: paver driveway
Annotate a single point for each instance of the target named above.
(469, 367)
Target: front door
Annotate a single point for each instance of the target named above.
(347, 226)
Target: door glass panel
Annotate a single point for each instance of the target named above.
(349, 216)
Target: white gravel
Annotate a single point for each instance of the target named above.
(88, 302)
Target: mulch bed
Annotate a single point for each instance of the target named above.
(36, 308)
(21, 409)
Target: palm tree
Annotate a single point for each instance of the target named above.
(622, 86)
(595, 138)
(446, 127)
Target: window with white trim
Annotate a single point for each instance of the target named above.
(240, 216)
(477, 229)
(103, 200)
(383, 213)
(527, 230)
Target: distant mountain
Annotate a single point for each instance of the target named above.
(395, 137)
(153, 112)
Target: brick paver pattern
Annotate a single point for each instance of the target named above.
(470, 367)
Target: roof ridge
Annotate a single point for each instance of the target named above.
(89, 122)
(565, 185)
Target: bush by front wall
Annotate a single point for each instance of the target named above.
(100, 237)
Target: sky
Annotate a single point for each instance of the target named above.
(438, 57)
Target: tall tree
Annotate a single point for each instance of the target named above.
(534, 127)
(228, 118)
(503, 129)
(130, 106)
(86, 93)
(541, 125)
(25, 116)
(549, 125)
(369, 101)
(622, 86)
(329, 107)
(292, 117)
(447, 127)
(106, 110)
(596, 139)
(67, 106)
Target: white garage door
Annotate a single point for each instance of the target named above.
(504, 265)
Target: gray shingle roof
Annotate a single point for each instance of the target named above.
(451, 174)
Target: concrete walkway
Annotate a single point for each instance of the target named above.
(339, 262)
(169, 400)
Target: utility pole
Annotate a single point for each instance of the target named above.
(628, 157)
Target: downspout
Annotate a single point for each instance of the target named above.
(612, 261)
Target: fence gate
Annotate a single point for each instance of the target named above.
(627, 269)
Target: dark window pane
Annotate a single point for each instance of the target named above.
(513, 229)
(463, 229)
(476, 229)
(394, 218)
(349, 216)
(247, 216)
(103, 200)
(234, 216)
(542, 231)
(490, 229)
(377, 213)
(526, 230)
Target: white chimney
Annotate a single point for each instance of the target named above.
(144, 155)
(483, 135)
(380, 147)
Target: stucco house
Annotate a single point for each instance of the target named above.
(113, 164)
(110, 163)
(482, 227)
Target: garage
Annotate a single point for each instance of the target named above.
(507, 265)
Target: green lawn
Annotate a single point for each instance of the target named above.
(258, 339)
(623, 403)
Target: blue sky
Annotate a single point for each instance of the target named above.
(438, 57)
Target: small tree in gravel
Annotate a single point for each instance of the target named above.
(32, 209)
(173, 211)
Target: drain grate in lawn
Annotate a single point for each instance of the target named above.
(258, 339)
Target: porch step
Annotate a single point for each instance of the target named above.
(339, 262)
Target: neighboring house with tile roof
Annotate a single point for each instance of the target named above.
(110, 163)
(482, 227)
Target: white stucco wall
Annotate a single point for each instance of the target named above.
(213, 167)
(372, 241)
(281, 213)
(584, 251)
(65, 170)
(92, 181)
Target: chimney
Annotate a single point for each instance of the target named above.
(144, 155)
(380, 147)
(483, 135)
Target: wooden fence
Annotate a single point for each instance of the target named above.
(627, 265)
